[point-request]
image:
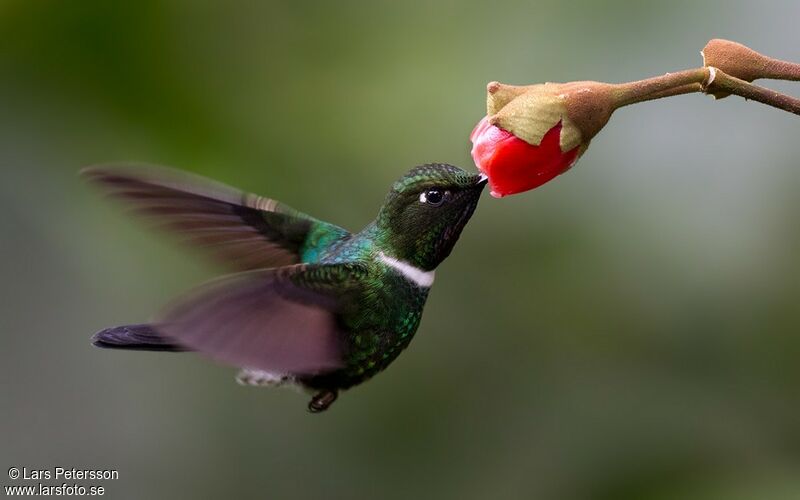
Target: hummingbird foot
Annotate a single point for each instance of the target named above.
(322, 401)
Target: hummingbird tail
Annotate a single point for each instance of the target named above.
(134, 337)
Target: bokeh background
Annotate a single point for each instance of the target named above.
(629, 331)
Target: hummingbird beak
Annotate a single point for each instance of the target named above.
(482, 179)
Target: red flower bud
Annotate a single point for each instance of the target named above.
(534, 133)
(512, 164)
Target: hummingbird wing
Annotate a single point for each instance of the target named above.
(285, 320)
(244, 230)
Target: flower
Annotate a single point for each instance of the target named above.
(533, 133)
(512, 164)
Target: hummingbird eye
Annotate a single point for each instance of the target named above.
(433, 197)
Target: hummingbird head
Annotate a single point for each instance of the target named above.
(425, 211)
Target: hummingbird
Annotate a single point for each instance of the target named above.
(309, 303)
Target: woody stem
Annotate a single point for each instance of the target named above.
(669, 84)
(706, 79)
(781, 70)
(727, 83)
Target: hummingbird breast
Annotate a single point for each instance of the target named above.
(379, 323)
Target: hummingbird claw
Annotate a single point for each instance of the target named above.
(322, 401)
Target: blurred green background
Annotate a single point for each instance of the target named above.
(629, 331)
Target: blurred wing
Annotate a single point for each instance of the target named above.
(283, 320)
(242, 229)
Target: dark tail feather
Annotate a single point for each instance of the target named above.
(134, 337)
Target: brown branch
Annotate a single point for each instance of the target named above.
(725, 83)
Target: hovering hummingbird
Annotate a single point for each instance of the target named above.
(312, 304)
